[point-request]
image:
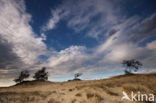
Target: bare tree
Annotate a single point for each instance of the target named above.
(131, 65)
(23, 75)
(77, 75)
(41, 74)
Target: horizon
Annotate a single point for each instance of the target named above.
(92, 37)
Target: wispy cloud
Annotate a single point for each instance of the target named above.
(53, 20)
(95, 16)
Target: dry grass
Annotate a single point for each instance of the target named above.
(94, 91)
(78, 94)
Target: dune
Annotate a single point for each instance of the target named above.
(83, 91)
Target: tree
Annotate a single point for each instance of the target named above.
(77, 75)
(23, 75)
(131, 65)
(41, 74)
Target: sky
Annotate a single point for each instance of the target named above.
(92, 37)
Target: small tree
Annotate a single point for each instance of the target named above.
(41, 74)
(131, 65)
(77, 75)
(23, 75)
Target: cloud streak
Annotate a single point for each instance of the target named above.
(54, 19)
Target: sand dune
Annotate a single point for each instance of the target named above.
(91, 91)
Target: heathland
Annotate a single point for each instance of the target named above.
(80, 91)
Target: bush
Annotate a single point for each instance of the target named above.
(41, 74)
(23, 75)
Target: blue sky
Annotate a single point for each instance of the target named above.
(70, 36)
(61, 36)
(41, 10)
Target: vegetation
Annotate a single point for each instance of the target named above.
(23, 75)
(89, 95)
(78, 94)
(77, 75)
(131, 65)
(91, 91)
(41, 74)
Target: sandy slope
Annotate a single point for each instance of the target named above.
(94, 91)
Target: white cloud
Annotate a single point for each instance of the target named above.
(18, 34)
(96, 16)
(118, 44)
(143, 29)
(108, 43)
(44, 37)
(66, 55)
(54, 19)
(69, 60)
(124, 51)
(152, 45)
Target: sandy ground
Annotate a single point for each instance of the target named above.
(93, 91)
